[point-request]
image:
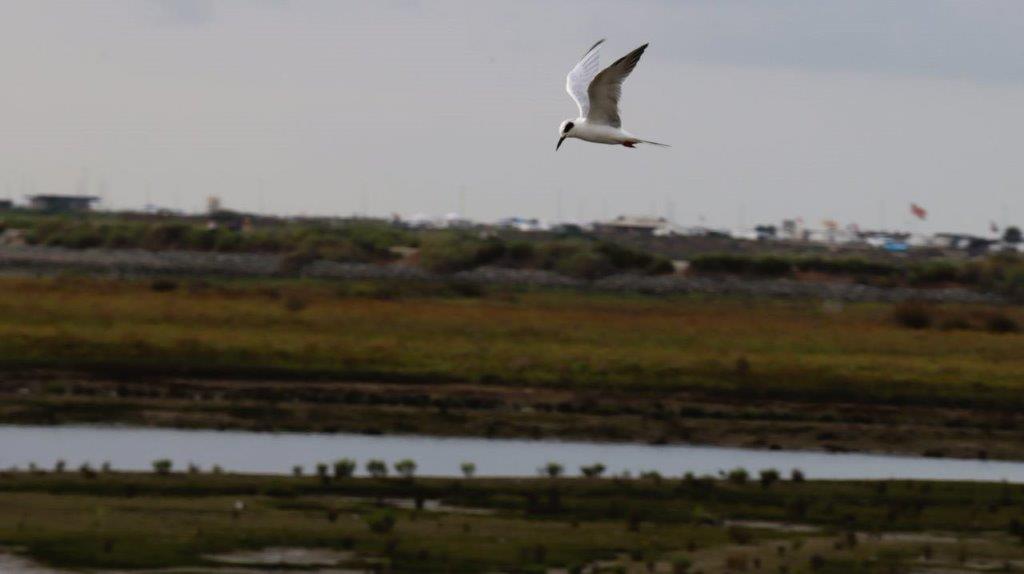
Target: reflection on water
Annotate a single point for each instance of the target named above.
(129, 448)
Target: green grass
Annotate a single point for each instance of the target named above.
(143, 521)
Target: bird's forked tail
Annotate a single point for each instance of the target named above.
(654, 143)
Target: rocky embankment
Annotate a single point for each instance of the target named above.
(136, 262)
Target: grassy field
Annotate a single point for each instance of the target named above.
(561, 340)
(116, 520)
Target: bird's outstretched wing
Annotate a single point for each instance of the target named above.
(579, 78)
(606, 88)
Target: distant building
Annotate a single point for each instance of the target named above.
(61, 203)
(522, 224)
(6, 204)
(633, 225)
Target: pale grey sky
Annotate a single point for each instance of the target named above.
(847, 109)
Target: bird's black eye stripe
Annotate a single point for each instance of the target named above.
(568, 127)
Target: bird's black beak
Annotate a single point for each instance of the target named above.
(560, 140)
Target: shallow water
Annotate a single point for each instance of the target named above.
(130, 448)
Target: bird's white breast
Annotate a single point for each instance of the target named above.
(599, 133)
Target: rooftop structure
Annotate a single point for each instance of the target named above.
(61, 203)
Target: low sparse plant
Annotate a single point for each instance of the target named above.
(406, 468)
(162, 466)
(551, 470)
(344, 468)
(377, 468)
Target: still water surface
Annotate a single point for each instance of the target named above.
(130, 448)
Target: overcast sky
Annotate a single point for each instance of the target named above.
(847, 110)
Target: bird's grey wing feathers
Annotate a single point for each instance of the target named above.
(579, 78)
(606, 88)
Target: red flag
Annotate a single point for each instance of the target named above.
(918, 211)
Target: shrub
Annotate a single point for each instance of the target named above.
(768, 266)
(162, 466)
(912, 315)
(406, 468)
(934, 272)
(592, 471)
(321, 471)
(651, 475)
(344, 468)
(452, 252)
(738, 476)
(796, 475)
(377, 468)
(771, 266)
(297, 470)
(294, 262)
(468, 469)
(769, 477)
(585, 265)
(551, 470)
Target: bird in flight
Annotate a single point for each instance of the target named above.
(597, 95)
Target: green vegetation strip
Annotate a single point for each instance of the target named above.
(125, 520)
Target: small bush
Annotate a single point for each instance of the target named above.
(551, 470)
(344, 468)
(406, 468)
(769, 477)
(377, 468)
(468, 469)
(738, 476)
(592, 471)
(934, 272)
(86, 470)
(162, 466)
(796, 475)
